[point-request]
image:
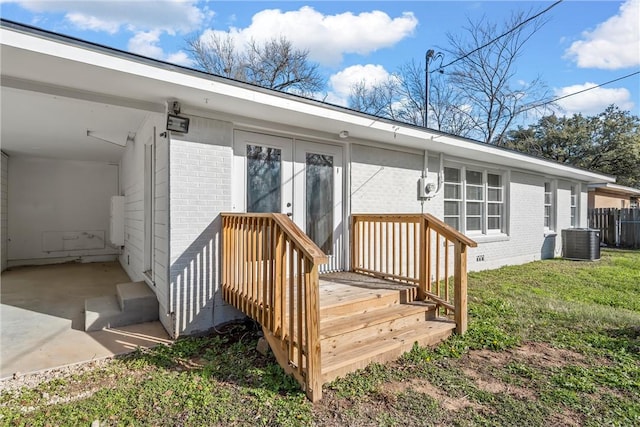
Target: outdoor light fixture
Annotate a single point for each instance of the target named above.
(177, 123)
(344, 134)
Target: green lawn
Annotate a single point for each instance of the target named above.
(549, 343)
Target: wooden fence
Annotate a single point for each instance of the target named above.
(618, 227)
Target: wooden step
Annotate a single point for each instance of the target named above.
(337, 362)
(373, 322)
(341, 300)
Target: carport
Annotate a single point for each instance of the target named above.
(62, 155)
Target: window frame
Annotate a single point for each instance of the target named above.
(574, 212)
(464, 200)
(553, 203)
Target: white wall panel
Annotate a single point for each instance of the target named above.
(68, 199)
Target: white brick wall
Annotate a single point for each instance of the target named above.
(3, 210)
(132, 187)
(384, 180)
(200, 189)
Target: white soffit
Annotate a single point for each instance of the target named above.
(121, 75)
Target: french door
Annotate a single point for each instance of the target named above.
(301, 179)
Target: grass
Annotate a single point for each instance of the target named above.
(549, 343)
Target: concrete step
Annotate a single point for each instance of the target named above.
(133, 303)
(136, 296)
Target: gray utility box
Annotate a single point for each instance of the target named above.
(581, 244)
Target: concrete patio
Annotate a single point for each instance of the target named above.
(42, 320)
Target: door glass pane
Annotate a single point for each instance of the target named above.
(264, 165)
(319, 203)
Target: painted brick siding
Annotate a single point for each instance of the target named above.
(200, 189)
(384, 181)
(525, 227)
(4, 176)
(132, 187)
(161, 230)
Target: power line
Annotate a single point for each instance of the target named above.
(526, 21)
(578, 92)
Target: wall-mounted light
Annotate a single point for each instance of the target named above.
(343, 134)
(177, 123)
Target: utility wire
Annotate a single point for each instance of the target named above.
(578, 92)
(526, 21)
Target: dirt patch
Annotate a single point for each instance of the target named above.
(423, 386)
(565, 418)
(544, 355)
(532, 353)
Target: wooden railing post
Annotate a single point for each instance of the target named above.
(266, 259)
(278, 290)
(460, 284)
(423, 277)
(314, 367)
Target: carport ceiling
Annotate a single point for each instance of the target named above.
(49, 125)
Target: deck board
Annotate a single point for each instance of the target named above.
(347, 290)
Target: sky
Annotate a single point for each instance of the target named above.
(582, 44)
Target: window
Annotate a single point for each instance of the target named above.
(548, 206)
(473, 200)
(574, 207)
(452, 197)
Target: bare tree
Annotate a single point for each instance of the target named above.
(379, 99)
(447, 110)
(402, 98)
(485, 75)
(274, 64)
(475, 95)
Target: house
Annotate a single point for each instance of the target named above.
(82, 123)
(609, 195)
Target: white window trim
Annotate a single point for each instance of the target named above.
(553, 221)
(484, 232)
(576, 222)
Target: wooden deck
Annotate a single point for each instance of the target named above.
(324, 326)
(364, 319)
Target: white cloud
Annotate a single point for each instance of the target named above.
(327, 37)
(146, 43)
(171, 16)
(614, 44)
(341, 82)
(94, 23)
(593, 101)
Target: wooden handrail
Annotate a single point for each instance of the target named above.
(446, 230)
(415, 249)
(270, 273)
